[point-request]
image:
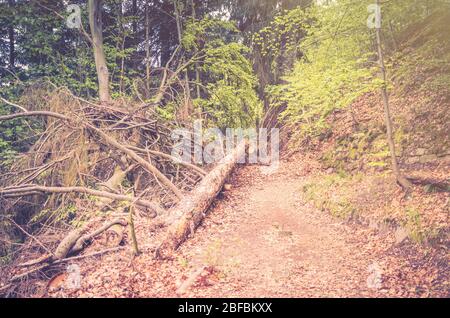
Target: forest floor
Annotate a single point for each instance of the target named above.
(262, 239)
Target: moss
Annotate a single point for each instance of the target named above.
(318, 193)
(414, 225)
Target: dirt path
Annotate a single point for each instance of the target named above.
(265, 241)
(261, 239)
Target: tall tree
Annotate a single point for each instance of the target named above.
(187, 109)
(12, 52)
(96, 25)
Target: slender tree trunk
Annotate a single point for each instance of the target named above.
(186, 111)
(390, 132)
(197, 70)
(165, 33)
(121, 47)
(95, 22)
(134, 18)
(12, 52)
(147, 51)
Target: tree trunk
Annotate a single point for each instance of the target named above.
(166, 33)
(390, 132)
(95, 22)
(147, 51)
(121, 46)
(197, 67)
(189, 213)
(12, 52)
(186, 111)
(135, 11)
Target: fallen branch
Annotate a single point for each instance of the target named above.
(33, 113)
(12, 104)
(191, 211)
(144, 163)
(83, 240)
(68, 259)
(167, 156)
(23, 190)
(74, 242)
(108, 139)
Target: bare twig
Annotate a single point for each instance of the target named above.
(22, 190)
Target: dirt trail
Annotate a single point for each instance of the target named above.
(261, 239)
(266, 241)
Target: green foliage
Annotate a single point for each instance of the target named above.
(63, 213)
(229, 99)
(338, 62)
(426, 52)
(15, 136)
(335, 68)
(280, 40)
(318, 193)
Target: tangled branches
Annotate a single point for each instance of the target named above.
(99, 158)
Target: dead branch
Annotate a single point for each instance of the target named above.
(64, 260)
(111, 141)
(23, 190)
(12, 104)
(34, 113)
(144, 163)
(167, 156)
(74, 242)
(85, 239)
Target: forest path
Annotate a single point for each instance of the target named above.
(263, 240)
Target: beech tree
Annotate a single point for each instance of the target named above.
(96, 26)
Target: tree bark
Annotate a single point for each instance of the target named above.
(186, 111)
(11, 36)
(387, 115)
(134, 241)
(145, 164)
(189, 213)
(95, 22)
(197, 67)
(147, 51)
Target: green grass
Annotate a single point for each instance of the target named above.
(319, 193)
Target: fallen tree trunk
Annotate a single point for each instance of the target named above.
(189, 213)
